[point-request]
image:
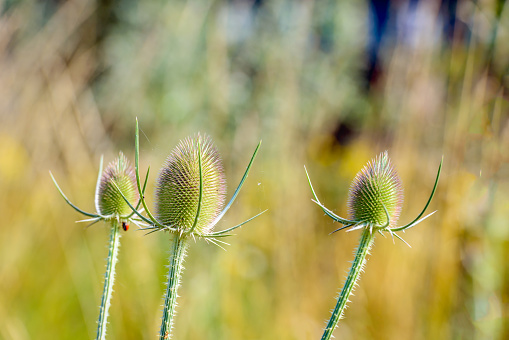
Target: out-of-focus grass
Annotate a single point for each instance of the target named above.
(74, 76)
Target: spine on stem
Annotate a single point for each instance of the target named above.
(177, 255)
(109, 278)
(365, 245)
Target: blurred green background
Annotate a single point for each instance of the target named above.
(295, 74)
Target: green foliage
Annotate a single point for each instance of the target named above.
(74, 77)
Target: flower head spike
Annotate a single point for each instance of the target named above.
(119, 174)
(178, 186)
(375, 193)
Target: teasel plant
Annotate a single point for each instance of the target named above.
(190, 194)
(374, 203)
(114, 185)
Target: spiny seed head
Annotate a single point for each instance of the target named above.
(178, 185)
(375, 186)
(119, 173)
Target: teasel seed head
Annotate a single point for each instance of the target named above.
(178, 185)
(375, 186)
(119, 174)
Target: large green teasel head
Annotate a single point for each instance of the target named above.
(375, 199)
(190, 190)
(178, 186)
(376, 193)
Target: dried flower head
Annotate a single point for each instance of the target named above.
(178, 185)
(118, 175)
(375, 193)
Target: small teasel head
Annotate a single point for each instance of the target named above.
(178, 186)
(119, 174)
(375, 193)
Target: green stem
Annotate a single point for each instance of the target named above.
(109, 278)
(177, 254)
(365, 244)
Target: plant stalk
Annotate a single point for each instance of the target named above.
(109, 278)
(177, 255)
(367, 239)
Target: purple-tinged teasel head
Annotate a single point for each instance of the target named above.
(375, 186)
(118, 173)
(178, 185)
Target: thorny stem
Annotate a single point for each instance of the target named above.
(109, 278)
(177, 255)
(367, 239)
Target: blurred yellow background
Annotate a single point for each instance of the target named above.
(295, 74)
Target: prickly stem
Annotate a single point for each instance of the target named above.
(109, 278)
(366, 242)
(177, 255)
